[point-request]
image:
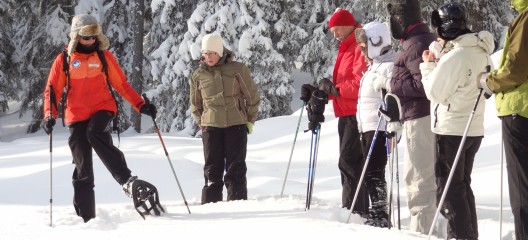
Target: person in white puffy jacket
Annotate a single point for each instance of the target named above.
(450, 84)
(375, 41)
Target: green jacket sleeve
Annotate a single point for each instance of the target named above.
(512, 70)
(196, 100)
(251, 93)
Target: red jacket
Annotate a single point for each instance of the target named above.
(88, 90)
(348, 71)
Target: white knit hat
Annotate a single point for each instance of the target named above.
(213, 42)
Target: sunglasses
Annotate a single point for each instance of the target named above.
(363, 49)
(208, 54)
(88, 38)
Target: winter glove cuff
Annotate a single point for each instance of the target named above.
(381, 82)
(482, 84)
(48, 124)
(306, 92)
(149, 109)
(249, 126)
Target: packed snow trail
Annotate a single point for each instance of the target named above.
(24, 183)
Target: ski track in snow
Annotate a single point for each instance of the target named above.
(24, 184)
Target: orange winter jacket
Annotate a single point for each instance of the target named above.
(88, 86)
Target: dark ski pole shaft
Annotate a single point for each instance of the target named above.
(316, 151)
(389, 160)
(364, 170)
(501, 176)
(167, 154)
(457, 157)
(309, 174)
(293, 147)
(51, 152)
(397, 178)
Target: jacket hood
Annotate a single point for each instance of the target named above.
(483, 39)
(519, 5)
(388, 57)
(227, 57)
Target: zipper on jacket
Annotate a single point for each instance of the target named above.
(448, 107)
(436, 118)
(86, 81)
(514, 116)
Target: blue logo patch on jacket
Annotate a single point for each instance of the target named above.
(76, 64)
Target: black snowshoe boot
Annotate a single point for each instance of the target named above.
(142, 192)
(378, 219)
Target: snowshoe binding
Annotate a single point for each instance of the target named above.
(143, 192)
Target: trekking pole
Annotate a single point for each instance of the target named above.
(364, 170)
(167, 154)
(454, 165)
(291, 154)
(501, 176)
(397, 178)
(317, 143)
(51, 92)
(309, 173)
(389, 159)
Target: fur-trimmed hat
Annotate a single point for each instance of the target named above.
(86, 25)
(377, 37)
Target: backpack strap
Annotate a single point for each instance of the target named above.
(66, 69)
(102, 58)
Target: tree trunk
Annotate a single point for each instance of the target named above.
(136, 79)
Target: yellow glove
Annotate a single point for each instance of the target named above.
(249, 127)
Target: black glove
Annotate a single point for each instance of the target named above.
(328, 87)
(48, 124)
(312, 126)
(149, 109)
(306, 92)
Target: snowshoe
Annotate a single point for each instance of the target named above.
(142, 193)
(377, 220)
(381, 223)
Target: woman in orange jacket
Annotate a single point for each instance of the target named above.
(90, 109)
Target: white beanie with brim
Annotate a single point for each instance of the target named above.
(213, 42)
(86, 25)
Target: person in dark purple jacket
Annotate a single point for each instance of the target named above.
(418, 170)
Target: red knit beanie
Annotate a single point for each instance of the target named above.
(342, 18)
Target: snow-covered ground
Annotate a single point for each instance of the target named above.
(24, 187)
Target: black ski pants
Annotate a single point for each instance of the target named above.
(375, 174)
(459, 204)
(351, 164)
(224, 149)
(515, 134)
(85, 136)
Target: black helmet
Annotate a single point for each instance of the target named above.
(403, 14)
(450, 21)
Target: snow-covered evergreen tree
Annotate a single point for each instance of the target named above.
(38, 33)
(8, 85)
(319, 52)
(171, 64)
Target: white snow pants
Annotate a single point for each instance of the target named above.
(418, 173)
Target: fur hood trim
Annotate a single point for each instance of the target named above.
(89, 30)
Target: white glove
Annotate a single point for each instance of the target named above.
(436, 48)
(381, 82)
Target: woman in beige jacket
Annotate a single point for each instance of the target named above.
(224, 101)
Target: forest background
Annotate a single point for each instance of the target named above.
(158, 43)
